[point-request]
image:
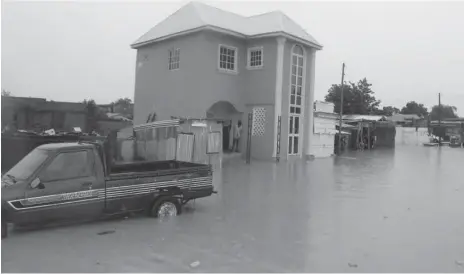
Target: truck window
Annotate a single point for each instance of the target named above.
(29, 164)
(69, 165)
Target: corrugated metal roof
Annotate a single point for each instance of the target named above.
(358, 117)
(197, 15)
(158, 124)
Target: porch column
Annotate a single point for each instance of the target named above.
(310, 100)
(278, 88)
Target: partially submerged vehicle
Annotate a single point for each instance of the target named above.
(455, 141)
(65, 182)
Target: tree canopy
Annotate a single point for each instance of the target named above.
(413, 107)
(125, 107)
(6, 93)
(444, 112)
(358, 98)
(387, 111)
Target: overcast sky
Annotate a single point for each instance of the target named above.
(70, 51)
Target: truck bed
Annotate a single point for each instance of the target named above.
(157, 168)
(193, 180)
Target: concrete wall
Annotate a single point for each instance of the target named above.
(322, 145)
(75, 120)
(323, 138)
(261, 146)
(410, 137)
(260, 83)
(195, 86)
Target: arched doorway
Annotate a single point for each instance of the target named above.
(228, 115)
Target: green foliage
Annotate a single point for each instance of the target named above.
(125, 107)
(443, 112)
(388, 111)
(93, 114)
(413, 107)
(6, 93)
(358, 98)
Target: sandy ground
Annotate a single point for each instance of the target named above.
(376, 211)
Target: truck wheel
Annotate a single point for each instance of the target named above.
(165, 207)
(4, 229)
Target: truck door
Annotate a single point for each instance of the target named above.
(68, 189)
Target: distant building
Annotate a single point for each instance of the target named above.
(407, 120)
(204, 62)
(39, 114)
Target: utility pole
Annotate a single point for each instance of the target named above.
(341, 113)
(439, 119)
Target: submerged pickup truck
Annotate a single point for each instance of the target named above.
(65, 182)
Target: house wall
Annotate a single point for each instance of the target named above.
(261, 146)
(195, 86)
(72, 120)
(260, 83)
(198, 84)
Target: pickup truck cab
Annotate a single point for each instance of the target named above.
(66, 182)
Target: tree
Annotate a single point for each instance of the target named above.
(386, 111)
(6, 93)
(444, 112)
(125, 107)
(358, 98)
(93, 114)
(413, 107)
(389, 110)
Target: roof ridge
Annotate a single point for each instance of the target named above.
(216, 8)
(197, 11)
(261, 14)
(165, 19)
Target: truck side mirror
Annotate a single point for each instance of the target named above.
(36, 183)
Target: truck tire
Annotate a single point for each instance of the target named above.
(4, 229)
(165, 206)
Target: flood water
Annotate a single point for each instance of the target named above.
(396, 210)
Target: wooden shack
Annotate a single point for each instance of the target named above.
(362, 126)
(187, 139)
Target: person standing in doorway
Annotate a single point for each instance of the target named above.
(237, 135)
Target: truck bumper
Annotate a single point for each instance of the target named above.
(196, 193)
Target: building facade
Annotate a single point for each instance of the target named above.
(28, 113)
(203, 62)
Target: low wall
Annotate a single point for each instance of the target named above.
(385, 136)
(408, 136)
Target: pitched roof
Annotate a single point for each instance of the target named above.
(197, 16)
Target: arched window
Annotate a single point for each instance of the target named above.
(296, 99)
(297, 50)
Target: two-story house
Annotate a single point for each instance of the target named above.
(205, 62)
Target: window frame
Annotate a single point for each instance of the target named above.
(50, 161)
(235, 49)
(172, 55)
(249, 51)
(292, 115)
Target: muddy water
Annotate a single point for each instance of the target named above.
(375, 211)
